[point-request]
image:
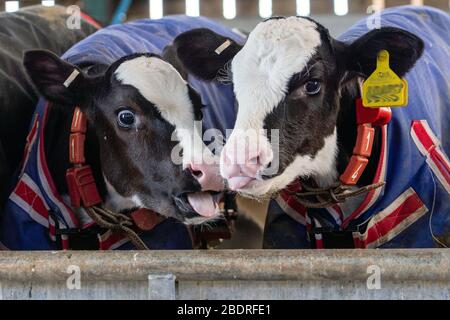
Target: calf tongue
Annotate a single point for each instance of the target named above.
(203, 203)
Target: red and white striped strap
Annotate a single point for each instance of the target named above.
(428, 145)
(390, 222)
(292, 207)
(31, 138)
(318, 236)
(111, 240)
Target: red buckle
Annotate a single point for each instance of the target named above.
(145, 219)
(374, 116)
(82, 188)
(364, 141)
(79, 123)
(354, 170)
(75, 198)
(76, 148)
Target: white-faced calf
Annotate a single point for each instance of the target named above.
(292, 76)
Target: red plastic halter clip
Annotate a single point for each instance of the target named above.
(366, 118)
(373, 116)
(80, 179)
(82, 188)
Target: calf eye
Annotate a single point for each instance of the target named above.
(312, 87)
(126, 118)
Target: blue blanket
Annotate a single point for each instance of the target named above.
(413, 209)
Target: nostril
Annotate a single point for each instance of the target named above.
(197, 173)
(254, 160)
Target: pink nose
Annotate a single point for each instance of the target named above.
(240, 167)
(208, 176)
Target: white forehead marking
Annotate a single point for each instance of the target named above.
(275, 50)
(161, 84)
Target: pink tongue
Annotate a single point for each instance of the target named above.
(202, 203)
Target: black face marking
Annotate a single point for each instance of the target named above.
(197, 103)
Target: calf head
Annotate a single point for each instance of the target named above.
(288, 80)
(139, 108)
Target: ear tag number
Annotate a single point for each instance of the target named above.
(384, 88)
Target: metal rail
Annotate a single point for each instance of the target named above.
(226, 274)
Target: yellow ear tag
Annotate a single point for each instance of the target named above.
(384, 88)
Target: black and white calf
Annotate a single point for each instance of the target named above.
(143, 143)
(133, 108)
(292, 77)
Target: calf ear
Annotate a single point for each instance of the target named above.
(200, 52)
(57, 80)
(404, 50)
(169, 54)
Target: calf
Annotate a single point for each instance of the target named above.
(296, 84)
(141, 142)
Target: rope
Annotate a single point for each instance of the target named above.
(116, 222)
(337, 193)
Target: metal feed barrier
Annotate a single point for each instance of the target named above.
(227, 274)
